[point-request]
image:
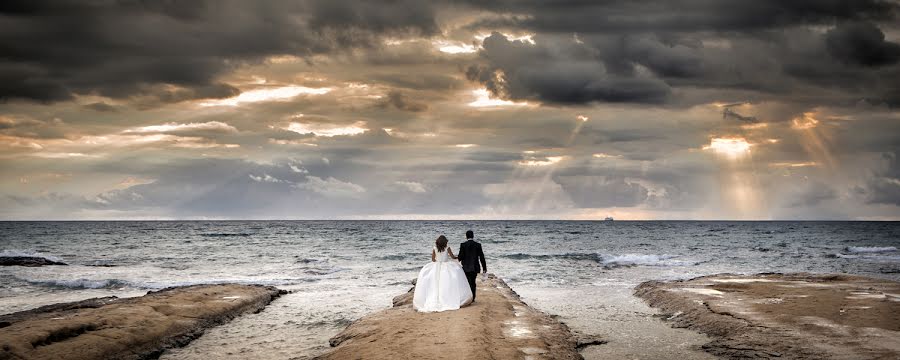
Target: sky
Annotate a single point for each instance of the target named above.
(456, 109)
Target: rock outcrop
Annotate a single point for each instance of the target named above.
(498, 325)
(130, 328)
(788, 316)
(30, 261)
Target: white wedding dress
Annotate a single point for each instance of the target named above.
(441, 285)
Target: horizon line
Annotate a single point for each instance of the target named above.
(400, 219)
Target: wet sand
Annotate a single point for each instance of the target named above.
(131, 328)
(498, 325)
(785, 315)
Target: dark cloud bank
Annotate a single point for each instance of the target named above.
(639, 69)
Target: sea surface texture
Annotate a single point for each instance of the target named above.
(342, 270)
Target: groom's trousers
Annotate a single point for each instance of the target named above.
(471, 277)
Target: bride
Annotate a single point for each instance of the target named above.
(442, 284)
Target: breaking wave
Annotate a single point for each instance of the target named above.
(870, 249)
(609, 260)
(29, 253)
(80, 284)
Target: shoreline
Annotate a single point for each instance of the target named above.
(796, 315)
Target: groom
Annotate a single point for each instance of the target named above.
(469, 255)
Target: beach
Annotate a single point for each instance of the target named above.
(583, 274)
(789, 316)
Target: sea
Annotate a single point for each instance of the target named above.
(338, 271)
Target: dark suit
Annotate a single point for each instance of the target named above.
(471, 256)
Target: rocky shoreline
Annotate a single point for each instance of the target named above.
(497, 326)
(129, 328)
(787, 316)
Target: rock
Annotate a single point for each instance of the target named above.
(792, 316)
(497, 325)
(130, 328)
(583, 340)
(404, 299)
(30, 261)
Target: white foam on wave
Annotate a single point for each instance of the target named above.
(870, 249)
(28, 253)
(149, 285)
(641, 259)
(83, 283)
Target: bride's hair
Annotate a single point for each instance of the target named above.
(441, 243)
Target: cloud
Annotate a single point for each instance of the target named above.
(177, 51)
(176, 128)
(326, 129)
(563, 73)
(336, 109)
(332, 187)
(861, 43)
(680, 15)
(412, 186)
(884, 187)
(266, 178)
(600, 192)
(399, 101)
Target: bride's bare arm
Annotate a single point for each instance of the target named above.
(450, 252)
(432, 256)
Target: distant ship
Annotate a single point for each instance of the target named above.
(608, 218)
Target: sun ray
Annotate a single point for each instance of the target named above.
(814, 139)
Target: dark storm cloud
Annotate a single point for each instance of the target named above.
(861, 44)
(562, 73)
(403, 102)
(884, 186)
(53, 50)
(376, 16)
(102, 107)
(660, 52)
(648, 76)
(585, 16)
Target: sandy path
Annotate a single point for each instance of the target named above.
(497, 326)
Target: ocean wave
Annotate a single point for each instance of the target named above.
(641, 259)
(323, 271)
(567, 256)
(608, 260)
(870, 249)
(226, 234)
(81, 284)
(29, 253)
(302, 260)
